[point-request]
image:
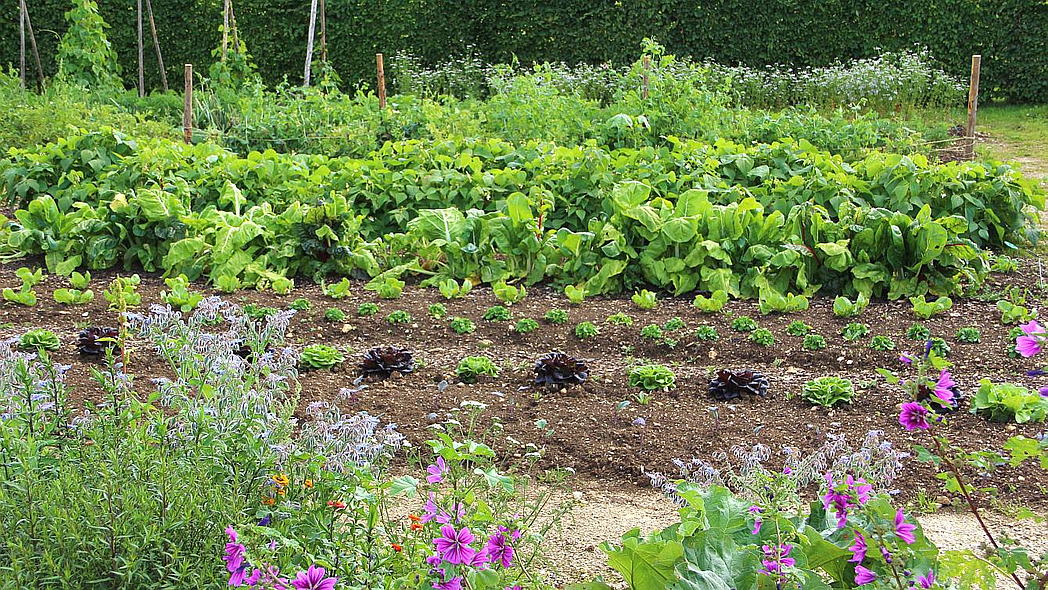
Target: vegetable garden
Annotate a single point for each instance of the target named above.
(332, 342)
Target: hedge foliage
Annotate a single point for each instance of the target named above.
(1008, 33)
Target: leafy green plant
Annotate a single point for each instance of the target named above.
(367, 309)
(472, 367)
(1006, 402)
(339, 290)
(673, 324)
(526, 326)
(645, 299)
(122, 292)
(707, 333)
(556, 316)
(25, 295)
(918, 332)
(762, 336)
(79, 294)
(969, 335)
(1004, 264)
(320, 356)
(584, 330)
(771, 300)
(882, 343)
(940, 347)
(497, 313)
(508, 294)
(387, 287)
(854, 331)
(399, 317)
(798, 328)
(652, 377)
(462, 325)
(1013, 309)
(437, 311)
(743, 323)
(453, 290)
(180, 296)
(846, 308)
(300, 304)
(619, 319)
(258, 312)
(813, 342)
(38, 339)
(652, 332)
(828, 391)
(714, 303)
(334, 314)
(85, 55)
(575, 295)
(925, 309)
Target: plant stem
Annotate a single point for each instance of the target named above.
(971, 505)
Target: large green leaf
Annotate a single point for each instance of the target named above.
(645, 564)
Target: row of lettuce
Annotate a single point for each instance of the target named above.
(763, 221)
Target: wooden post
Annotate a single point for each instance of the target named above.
(233, 23)
(973, 106)
(156, 44)
(381, 81)
(32, 43)
(644, 76)
(187, 114)
(225, 27)
(21, 41)
(309, 40)
(323, 32)
(141, 57)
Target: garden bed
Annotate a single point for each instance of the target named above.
(582, 429)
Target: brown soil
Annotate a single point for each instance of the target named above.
(586, 433)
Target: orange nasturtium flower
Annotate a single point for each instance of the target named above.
(337, 504)
(308, 484)
(397, 547)
(416, 522)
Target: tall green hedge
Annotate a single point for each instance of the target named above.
(1012, 35)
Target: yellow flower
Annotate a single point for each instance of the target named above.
(308, 484)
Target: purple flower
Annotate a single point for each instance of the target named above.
(266, 520)
(927, 580)
(863, 576)
(234, 558)
(787, 471)
(437, 472)
(452, 584)
(434, 560)
(500, 550)
(313, 579)
(903, 529)
(906, 358)
(776, 558)
(1033, 329)
(755, 510)
(858, 548)
(1043, 391)
(454, 545)
(1030, 343)
(887, 554)
(914, 416)
(943, 385)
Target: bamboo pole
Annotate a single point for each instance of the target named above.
(32, 43)
(21, 41)
(323, 32)
(381, 81)
(309, 40)
(141, 55)
(225, 28)
(187, 114)
(973, 106)
(156, 44)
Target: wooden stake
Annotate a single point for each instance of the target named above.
(187, 114)
(225, 28)
(141, 58)
(32, 43)
(973, 106)
(644, 76)
(381, 81)
(21, 41)
(233, 22)
(323, 32)
(156, 44)
(309, 40)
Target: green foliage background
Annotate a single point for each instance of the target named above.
(1010, 34)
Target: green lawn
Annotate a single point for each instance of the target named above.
(1017, 133)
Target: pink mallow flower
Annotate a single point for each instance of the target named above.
(858, 548)
(1030, 343)
(914, 416)
(942, 387)
(313, 579)
(864, 576)
(903, 529)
